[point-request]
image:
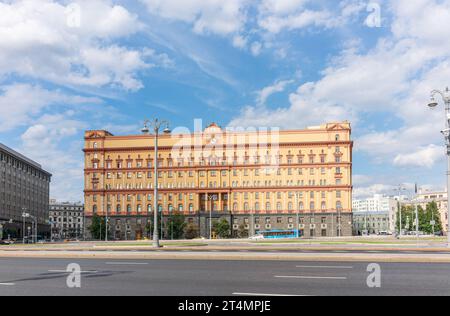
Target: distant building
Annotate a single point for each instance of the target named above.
(24, 187)
(376, 208)
(426, 197)
(67, 220)
(372, 222)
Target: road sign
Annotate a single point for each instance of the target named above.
(433, 223)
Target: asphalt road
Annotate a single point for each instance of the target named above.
(46, 277)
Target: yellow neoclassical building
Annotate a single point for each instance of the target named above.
(259, 180)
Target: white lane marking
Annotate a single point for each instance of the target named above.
(262, 294)
(64, 271)
(7, 284)
(127, 263)
(325, 267)
(308, 277)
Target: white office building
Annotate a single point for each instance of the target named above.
(375, 206)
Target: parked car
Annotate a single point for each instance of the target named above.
(257, 237)
(6, 242)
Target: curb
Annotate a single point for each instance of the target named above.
(229, 257)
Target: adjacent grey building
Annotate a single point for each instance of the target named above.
(24, 187)
(67, 220)
(371, 222)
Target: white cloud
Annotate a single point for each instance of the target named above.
(20, 103)
(394, 77)
(303, 19)
(212, 16)
(39, 40)
(256, 48)
(424, 157)
(362, 192)
(240, 42)
(305, 109)
(278, 86)
(60, 157)
(276, 16)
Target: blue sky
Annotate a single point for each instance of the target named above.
(100, 64)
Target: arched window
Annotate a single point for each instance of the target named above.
(324, 206)
(160, 208)
(139, 208)
(191, 208)
(94, 209)
(118, 208)
(170, 208)
(149, 208)
(312, 206)
(180, 208)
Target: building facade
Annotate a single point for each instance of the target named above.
(377, 204)
(67, 220)
(24, 187)
(257, 180)
(371, 222)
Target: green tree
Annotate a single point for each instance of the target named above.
(176, 225)
(425, 217)
(408, 217)
(222, 228)
(191, 231)
(97, 227)
(429, 214)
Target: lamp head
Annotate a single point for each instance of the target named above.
(145, 129)
(433, 103)
(167, 130)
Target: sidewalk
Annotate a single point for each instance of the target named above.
(230, 256)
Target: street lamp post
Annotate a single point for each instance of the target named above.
(399, 205)
(297, 229)
(210, 199)
(433, 104)
(156, 125)
(24, 216)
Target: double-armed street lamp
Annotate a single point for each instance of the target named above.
(211, 199)
(446, 132)
(399, 190)
(34, 223)
(155, 124)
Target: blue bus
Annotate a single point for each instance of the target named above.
(280, 234)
